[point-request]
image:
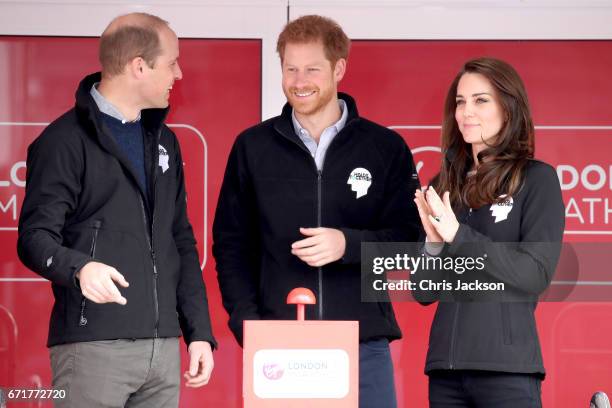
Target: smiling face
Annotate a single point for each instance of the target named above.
(478, 113)
(159, 79)
(309, 82)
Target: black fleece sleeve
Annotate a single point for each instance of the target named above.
(53, 185)
(432, 274)
(192, 301)
(236, 246)
(399, 218)
(530, 264)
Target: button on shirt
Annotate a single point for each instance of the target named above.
(318, 151)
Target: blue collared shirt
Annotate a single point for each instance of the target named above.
(318, 151)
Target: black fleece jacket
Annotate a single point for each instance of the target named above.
(272, 188)
(522, 243)
(83, 203)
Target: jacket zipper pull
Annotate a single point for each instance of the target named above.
(154, 262)
(83, 319)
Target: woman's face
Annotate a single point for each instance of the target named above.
(478, 113)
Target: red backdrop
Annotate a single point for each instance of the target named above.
(219, 96)
(400, 84)
(403, 84)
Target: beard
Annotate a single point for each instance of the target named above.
(314, 104)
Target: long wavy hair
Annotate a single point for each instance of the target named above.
(501, 164)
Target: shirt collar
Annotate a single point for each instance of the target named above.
(106, 107)
(339, 125)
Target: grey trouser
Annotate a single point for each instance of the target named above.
(117, 373)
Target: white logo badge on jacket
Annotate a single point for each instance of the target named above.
(501, 210)
(164, 159)
(360, 180)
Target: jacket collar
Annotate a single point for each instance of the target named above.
(90, 117)
(89, 114)
(284, 124)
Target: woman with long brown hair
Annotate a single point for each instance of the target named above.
(501, 204)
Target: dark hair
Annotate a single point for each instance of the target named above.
(500, 165)
(122, 42)
(313, 28)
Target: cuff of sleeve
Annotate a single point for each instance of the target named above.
(455, 246)
(433, 248)
(209, 339)
(63, 266)
(352, 251)
(76, 269)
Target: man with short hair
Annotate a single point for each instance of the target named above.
(302, 191)
(105, 220)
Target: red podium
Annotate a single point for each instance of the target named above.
(301, 364)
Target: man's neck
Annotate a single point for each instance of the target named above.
(114, 92)
(317, 122)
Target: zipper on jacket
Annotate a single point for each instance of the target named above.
(150, 228)
(155, 275)
(319, 205)
(451, 356)
(152, 252)
(319, 269)
(83, 319)
(319, 220)
(96, 226)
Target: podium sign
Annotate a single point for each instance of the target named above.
(300, 364)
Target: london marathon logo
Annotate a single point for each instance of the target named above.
(273, 371)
